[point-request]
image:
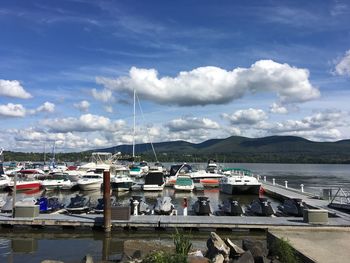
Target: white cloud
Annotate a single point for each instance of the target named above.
(12, 110)
(85, 123)
(108, 109)
(82, 105)
(191, 123)
(213, 85)
(46, 107)
(13, 88)
(105, 95)
(343, 66)
(246, 117)
(276, 108)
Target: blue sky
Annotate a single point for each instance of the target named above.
(201, 70)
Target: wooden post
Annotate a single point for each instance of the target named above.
(107, 201)
(106, 246)
(14, 196)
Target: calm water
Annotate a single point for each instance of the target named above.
(34, 246)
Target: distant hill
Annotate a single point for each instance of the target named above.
(290, 149)
(273, 149)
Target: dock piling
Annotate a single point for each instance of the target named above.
(107, 201)
(273, 181)
(302, 188)
(286, 184)
(264, 178)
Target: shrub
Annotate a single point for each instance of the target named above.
(284, 251)
(182, 244)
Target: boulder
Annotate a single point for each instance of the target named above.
(234, 249)
(197, 259)
(247, 257)
(217, 246)
(219, 258)
(257, 248)
(140, 248)
(87, 259)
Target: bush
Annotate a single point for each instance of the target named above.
(182, 244)
(284, 251)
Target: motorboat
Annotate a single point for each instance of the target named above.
(164, 206)
(154, 181)
(184, 183)
(231, 207)
(4, 181)
(157, 167)
(24, 184)
(90, 181)
(292, 207)
(47, 205)
(260, 207)
(202, 206)
(142, 207)
(78, 204)
(99, 208)
(120, 179)
(57, 181)
(139, 170)
(212, 166)
(198, 176)
(239, 181)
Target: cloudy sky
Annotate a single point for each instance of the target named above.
(201, 70)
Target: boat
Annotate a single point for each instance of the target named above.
(57, 181)
(78, 204)
(142, 207)
(212, 166)
(24, 184)
(239, 181)
(120, 179)
(154, 181)
(99, 208)
(202, 206)
(90, 181)
(184, 183)
(292, 207)
(260, 207)
(198, 176)
(231, 207)
(164, 206)
(47, 205)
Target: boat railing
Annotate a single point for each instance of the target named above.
(341, 196)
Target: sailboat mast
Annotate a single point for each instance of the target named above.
(134, 131)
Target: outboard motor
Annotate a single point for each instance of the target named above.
(202, 206)
(232, 207)
(294, 207)
(261, 207)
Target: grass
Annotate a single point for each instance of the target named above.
(284, 251)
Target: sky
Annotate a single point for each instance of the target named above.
(200, 70)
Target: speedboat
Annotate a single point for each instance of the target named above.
(78, 204)
(140, 170)
(231, 207)
(57, 181)
(47, 205)
(24, 184)
(293, 207)
(154, 181)
(260, 207)
(198, 176)
(4, 181)
(239, 181)
(90, 181)
(164, 206)
(202, 206)
(121, 180)
(142, 207)
(184, 183)
(212, 167)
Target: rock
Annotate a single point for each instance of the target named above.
(219, 258)
(217, 246)
(140, 248)
(87, 259)
(196, 259)
(257, 248)
(51, 261)
(234, 249)
(247, 257)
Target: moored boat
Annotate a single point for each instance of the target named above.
(231, 207)
(260, 207)
(164, 206)
(184, 183)
(202, 206)
(90, 181)
(154, 181)
(57, 181)
(78, 204)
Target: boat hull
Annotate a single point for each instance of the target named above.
(90, 186)
(121, 186)
(239, 189)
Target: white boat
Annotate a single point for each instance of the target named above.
(184, 183)
(212, 166)
(239, 181)
(154, 181)
(59, 181)
(200, 176)
(90, 181)
(120, 178)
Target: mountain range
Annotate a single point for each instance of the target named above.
(290, 149)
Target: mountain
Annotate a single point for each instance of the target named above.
(290, 149)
